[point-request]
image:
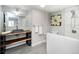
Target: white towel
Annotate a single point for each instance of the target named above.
(40, 30)
(36, 29)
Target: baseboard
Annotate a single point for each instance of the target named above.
(35, 44)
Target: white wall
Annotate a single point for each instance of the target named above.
(39, 18)
(67, 25)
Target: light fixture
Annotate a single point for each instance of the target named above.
(42, 6)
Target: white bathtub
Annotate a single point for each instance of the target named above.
(57, 44)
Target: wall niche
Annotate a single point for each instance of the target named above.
(56, 20)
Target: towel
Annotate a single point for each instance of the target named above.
(36, 29)
(40, 30)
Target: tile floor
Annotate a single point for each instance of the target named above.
(23, 49)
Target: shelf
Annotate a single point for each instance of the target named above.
(17, 40)
(2, 46)
(4, 43)
(14, 40)
(15, 33)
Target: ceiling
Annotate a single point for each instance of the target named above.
(55, 8)
(48, 8)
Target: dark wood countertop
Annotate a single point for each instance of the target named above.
(15, 33)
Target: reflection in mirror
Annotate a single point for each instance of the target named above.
(15, 22)
(11, 23)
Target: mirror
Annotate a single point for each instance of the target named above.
(17, 22)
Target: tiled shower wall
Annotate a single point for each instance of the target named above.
(67, 23)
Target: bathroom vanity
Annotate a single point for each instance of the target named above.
(4, 42)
